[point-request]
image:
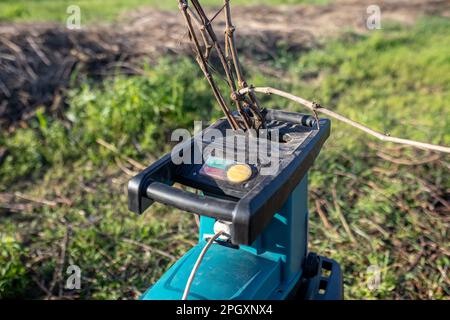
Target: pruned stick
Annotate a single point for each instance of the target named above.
(318, 108)
(255, 106)
(208, 45)
(204, 66)
(208, 27)
(229, 34)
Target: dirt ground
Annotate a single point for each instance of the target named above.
(37, 60)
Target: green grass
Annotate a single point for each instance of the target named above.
(136, 114)
(96, 10)
(396, 80)
(13, 279)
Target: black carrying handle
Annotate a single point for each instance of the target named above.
(293, 117)
(188, 201)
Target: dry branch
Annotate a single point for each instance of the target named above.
(318, 108)
(228, 59)
(113, 149)
(149, 248)
(341, 216)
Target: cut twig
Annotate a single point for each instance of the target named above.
(42, 287)
(37, 200)
(323, 216)
(122, 167)
(112, 148)
(5, 89)
(341, 215)
(38, 51)
(433, 190)
(407, 162)
(150, 249)
(376, 226)
(318, 108)
(58, 272)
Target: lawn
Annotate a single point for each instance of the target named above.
(95, 10)
(381, 205)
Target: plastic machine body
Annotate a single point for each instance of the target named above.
(267, 254)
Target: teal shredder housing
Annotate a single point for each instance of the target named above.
(268, 269)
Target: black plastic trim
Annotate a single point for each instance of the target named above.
(191, 202)
(251, 212)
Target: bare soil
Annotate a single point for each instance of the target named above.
(38, 60)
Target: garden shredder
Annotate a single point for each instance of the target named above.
(246, 175)
(264, 254)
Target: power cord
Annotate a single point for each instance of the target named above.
(197, 264)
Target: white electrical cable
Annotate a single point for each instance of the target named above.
(197, 264)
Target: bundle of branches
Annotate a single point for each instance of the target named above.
(249, 109)
(247, 104)
(38, 60)
(37, 64)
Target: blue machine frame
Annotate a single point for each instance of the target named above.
(271, 268)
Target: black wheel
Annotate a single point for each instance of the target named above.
(311, 265)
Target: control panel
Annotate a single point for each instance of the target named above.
(244, 182)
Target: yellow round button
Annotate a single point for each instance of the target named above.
(239, 173)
